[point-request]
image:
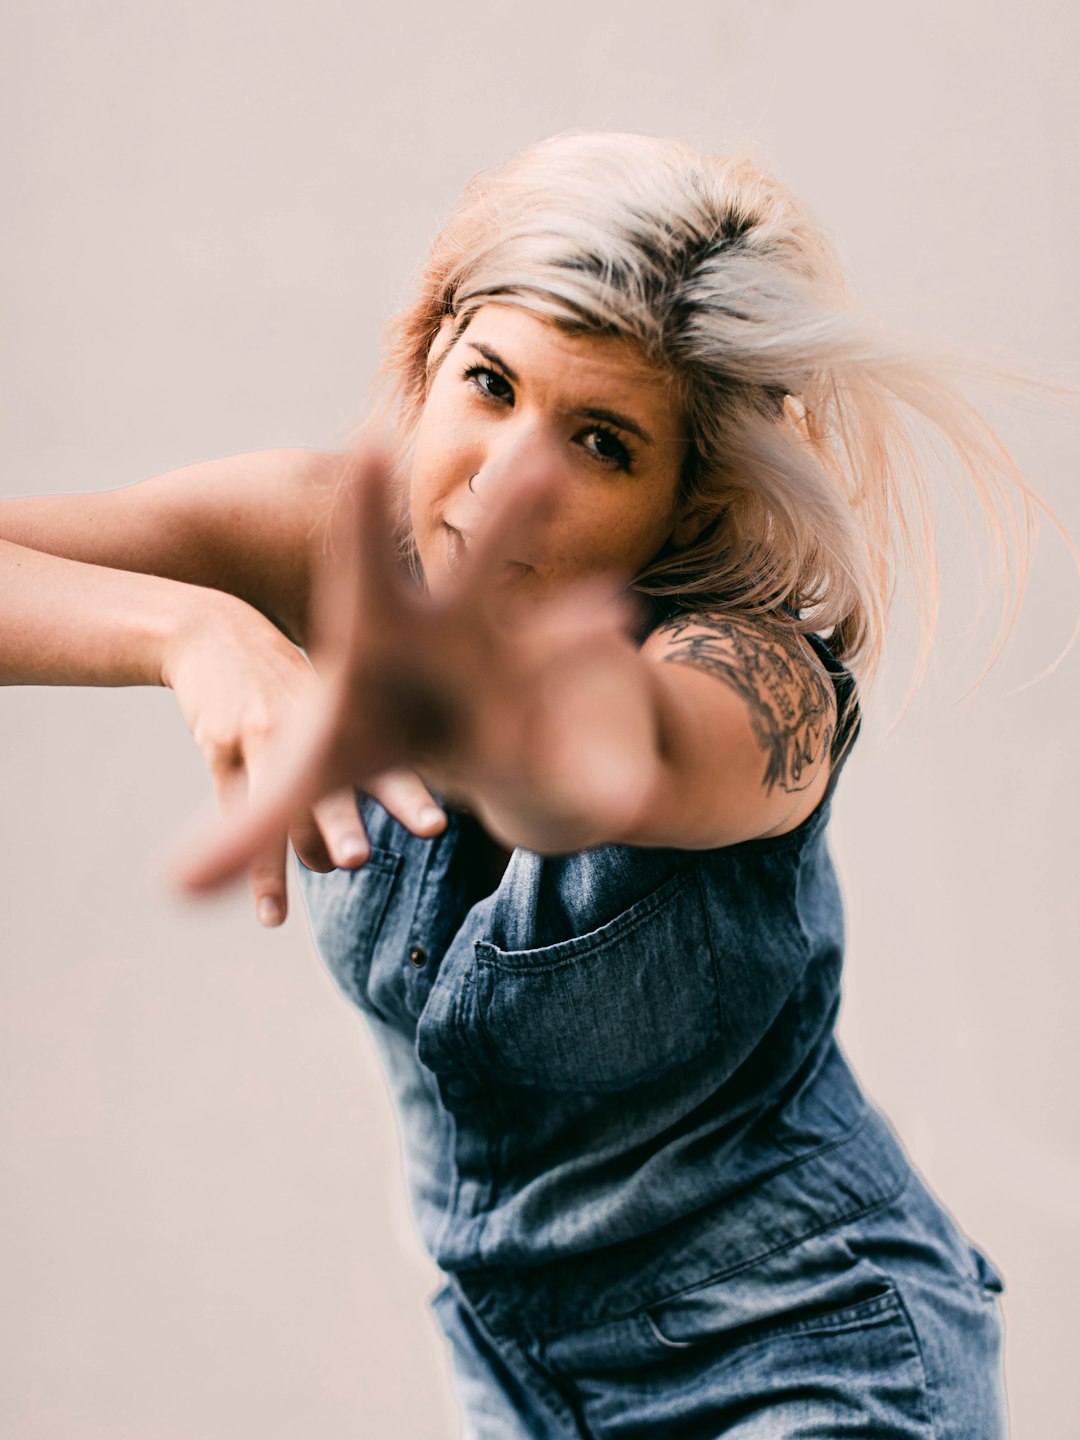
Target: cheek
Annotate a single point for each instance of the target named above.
(617, 528)
(592, 541)
(433, 462)
(444, 442)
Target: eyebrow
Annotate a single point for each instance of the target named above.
(591, 412)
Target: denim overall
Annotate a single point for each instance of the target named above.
(662, 1203)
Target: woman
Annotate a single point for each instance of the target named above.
(603, 970)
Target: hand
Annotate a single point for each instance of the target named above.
(535, 714)
(238, 681)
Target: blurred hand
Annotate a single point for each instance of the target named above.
(533, 713)
(239, 682)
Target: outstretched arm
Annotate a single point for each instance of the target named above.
(544, 718)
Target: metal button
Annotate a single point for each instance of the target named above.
(418, 957)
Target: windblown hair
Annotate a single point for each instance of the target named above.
(807, 423)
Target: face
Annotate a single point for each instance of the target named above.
(514, 395)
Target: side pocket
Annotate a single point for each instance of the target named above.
(843, 1350)
(815, 1287)
(676, 1331)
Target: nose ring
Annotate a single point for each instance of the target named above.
(471, 479)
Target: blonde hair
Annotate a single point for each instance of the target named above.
(807, 422)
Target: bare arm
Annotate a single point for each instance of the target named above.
(243, 525)
(65, 622)
(745, 721)
(236, 676)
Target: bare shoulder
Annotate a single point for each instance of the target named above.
(247, 524)
(789, 696)
(244, 524)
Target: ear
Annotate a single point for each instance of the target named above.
(688, 526)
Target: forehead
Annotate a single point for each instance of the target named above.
(577, 369)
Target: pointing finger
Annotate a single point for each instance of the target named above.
(517, 505)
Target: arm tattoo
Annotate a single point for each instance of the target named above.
(790, 702)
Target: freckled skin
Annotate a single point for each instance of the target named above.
(603, 518)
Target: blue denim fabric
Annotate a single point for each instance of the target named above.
(885, 1326)
(664, 1205)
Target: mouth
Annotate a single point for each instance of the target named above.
(458, 546)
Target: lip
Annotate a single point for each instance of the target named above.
(458, 545)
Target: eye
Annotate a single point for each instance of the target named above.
(607, 448)
(490, 383)
(610, 449)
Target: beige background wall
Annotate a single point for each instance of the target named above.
(210, 211)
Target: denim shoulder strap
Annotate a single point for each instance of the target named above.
(848, 713)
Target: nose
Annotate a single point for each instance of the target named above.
(523, 456)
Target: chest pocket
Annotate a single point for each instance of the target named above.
(610, 1008)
